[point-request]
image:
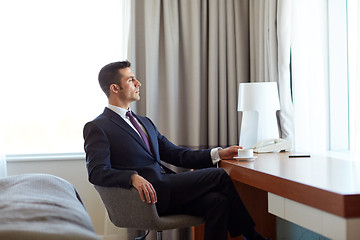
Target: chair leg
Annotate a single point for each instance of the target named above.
(159, 235)
(142, 237)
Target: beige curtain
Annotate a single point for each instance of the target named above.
(270, 44)
(190, 56)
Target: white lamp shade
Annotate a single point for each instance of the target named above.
(259, 102)
(258, 96)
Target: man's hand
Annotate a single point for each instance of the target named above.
(145, 189)
(229, 152)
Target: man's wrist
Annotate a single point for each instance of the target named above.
(131, 178)
(215, 157)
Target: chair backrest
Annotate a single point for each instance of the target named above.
(126, 210)
(125, 207)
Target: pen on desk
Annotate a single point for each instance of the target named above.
(300, 156)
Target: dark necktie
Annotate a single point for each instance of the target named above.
(139, 129)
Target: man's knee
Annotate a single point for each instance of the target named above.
(219, 172)
(223, 176)
(216, 200)
(223, 173)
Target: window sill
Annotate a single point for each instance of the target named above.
(343, 155)
(45, 157)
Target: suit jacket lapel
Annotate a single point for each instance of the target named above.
(125, 126)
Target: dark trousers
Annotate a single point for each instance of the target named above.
(210, 193)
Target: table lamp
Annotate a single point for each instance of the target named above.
(258, 102)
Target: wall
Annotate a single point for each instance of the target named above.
(74, 171)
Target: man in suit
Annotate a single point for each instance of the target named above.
(126, 150)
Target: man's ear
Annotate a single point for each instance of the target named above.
(114, 88)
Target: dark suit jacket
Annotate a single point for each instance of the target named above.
(114, 151)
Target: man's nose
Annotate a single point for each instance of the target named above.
(137, 83)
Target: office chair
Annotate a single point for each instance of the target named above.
(126, 210)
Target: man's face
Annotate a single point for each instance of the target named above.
(130, 86)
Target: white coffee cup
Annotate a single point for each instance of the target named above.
(245, 153)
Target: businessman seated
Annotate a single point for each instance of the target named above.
(125, 150)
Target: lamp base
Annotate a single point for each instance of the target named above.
(249, 129)
(257, 127)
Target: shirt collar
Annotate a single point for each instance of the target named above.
(119, 110)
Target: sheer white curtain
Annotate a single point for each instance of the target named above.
(354, 73)
(309, 53)
(270, 44)
(286, 114)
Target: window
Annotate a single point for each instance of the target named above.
(325, 59)
(51, 53)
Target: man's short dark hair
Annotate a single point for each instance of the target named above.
(110, 74)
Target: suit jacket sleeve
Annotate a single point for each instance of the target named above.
(184, 157)
(179, 156)
(97, 148)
